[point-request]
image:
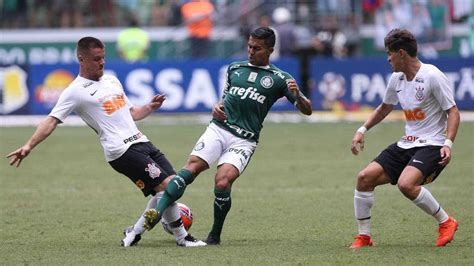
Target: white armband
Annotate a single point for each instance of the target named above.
(362, 130)
(448, 143)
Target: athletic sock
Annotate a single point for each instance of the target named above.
(138, 226)
(430, 205)
(222, 204)
(363, 202)
(175, 189)
(176, 226)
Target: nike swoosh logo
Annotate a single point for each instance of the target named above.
(399, 91)
(92, 94)
(416, 161)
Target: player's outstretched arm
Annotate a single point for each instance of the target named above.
(451, 132)
(44, 129)
(377, 115)
(140, 112)
(302, 103)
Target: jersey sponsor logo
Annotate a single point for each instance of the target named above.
(419, 95)
(199, 146)
(85, 85)
(239, 151)
(252, 76)
(414, 115)
(115, 103)
(266, 82)
(153, 170)
(419, 80)
(250, 93)
(244, 133)
(133, 138)
(409, 138)
(279, 74)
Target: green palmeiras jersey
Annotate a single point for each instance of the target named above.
(249, 93)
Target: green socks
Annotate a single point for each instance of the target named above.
(222, 204)
(175, 189)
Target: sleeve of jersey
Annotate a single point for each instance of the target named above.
(65, 105)
(441, 90)
(390, 96)
(227, 83)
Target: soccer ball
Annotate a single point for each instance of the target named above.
(186, 217)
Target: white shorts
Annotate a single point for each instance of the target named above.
(219, 144)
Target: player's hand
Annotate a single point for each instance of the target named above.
(17, 156)
(218, 112)
(293, 87)
(445, 155)
(157, 101)
(357, 143)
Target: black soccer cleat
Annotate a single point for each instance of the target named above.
(212, 240)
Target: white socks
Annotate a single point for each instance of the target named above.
(363, 202)
(171, 214)
(138, 226)
(428, 204)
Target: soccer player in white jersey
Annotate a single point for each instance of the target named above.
(251, 89)
(101, 102)
(432, 121)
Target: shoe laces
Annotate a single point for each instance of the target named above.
(443, 228)
(191, 238)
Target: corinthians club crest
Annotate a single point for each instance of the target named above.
(153, 170)
(420, 95)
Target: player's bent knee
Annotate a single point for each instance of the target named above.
(407, 188)
(366, 180)
(223, 182)
(196, 165)
(363, 177)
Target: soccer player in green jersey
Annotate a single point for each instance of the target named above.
(252, 87)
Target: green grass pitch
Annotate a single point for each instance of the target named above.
(293, 205)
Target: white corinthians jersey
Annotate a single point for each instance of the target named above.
(424, 101)
(105, 108)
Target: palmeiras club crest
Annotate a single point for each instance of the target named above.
(266, 82)
(420, 95)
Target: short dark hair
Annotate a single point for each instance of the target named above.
(398, 39)
(86, 43)
(264, 33)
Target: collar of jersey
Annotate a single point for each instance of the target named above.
(263, 67)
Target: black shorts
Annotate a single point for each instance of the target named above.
(426, 159)
(145, 165)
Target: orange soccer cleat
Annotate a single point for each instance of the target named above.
(446, 232)
(362, 241)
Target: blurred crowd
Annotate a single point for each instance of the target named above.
(319, 27)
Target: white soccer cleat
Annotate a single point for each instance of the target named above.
(190, 241)
(131, 238)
